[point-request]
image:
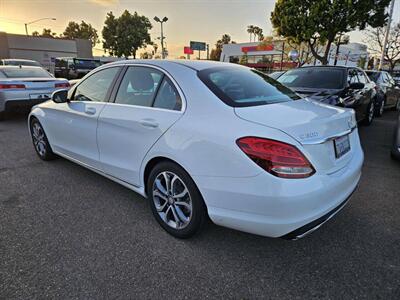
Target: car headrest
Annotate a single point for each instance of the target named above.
(142, 81)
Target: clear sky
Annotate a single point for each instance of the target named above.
(200, 20)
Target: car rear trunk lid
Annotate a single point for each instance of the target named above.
(311, 123)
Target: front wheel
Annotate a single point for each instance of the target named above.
(380, 108)
(2, 115)
(175, 201)
(370, 114)
(40, 141)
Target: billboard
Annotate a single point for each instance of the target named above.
(201, 46)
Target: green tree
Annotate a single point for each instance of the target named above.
(124, 35)
(216, 52)
(46, 32)
(318, 22)
(81, 31)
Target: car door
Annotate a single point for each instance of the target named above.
(146, 104)
(391, 91)
(353, 98)
(368, 92)
(73, 125)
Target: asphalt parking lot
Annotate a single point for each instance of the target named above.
(68, 233)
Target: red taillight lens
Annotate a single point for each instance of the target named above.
(11, 86)
(278, 158)
(62, 85)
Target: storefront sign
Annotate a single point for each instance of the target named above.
(258, 48)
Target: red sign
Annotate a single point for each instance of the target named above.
(187, 50)
(258, 48)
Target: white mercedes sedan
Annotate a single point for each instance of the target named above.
(207, 139)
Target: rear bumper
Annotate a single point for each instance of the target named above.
(276, 207)
(11, 105)
(314, 225)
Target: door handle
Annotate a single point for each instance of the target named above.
(148, 123)
(90, 110)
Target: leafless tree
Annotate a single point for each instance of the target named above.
(375, 37)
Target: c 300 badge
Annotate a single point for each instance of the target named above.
(309, 135)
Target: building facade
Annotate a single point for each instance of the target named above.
(273, 56)
(41, 49)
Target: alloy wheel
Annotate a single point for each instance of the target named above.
(38, 137)
(172, 200)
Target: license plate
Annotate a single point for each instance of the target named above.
(342, 145)
(40, 96)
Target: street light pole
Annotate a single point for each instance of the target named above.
(165, 19)
(384, 50)
(26, 24)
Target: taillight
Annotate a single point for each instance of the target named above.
(62, 85)
(4, 86)
(278, 158)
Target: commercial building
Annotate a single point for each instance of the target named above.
(270, 57)
(44, 50)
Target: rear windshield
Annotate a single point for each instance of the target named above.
(325, 78)
(373, 75)
(25, 72)
(86, 64)
(21, 63)
(239, 87)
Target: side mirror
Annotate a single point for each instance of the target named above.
(356, 86)
(60, 96)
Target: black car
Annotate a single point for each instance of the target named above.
(74, 68)
(342, 86)
(388, 91)
(396, 141)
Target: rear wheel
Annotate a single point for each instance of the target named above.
(175, 201)
(370, 114)
(40, 141)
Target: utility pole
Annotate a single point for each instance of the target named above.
(26, 24)
(384, 48)
(165, 19)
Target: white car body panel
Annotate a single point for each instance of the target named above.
(202, 139)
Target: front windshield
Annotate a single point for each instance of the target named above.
(22, 63)
(318, 77)
(373, 76)
(245, 87)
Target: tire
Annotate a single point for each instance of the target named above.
(40, 141)
(2, 115)
(181, 220)
(370, 114)
(380, 109)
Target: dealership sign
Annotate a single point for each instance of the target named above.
(187, 50)
(258, 48)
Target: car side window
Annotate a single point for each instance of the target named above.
(95, 87)
(361, 77)
(139, 86)
(167, 96)
(352, 76)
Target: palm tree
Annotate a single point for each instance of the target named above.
(250, 30)
(258, 32)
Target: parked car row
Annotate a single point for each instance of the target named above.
(369, 93)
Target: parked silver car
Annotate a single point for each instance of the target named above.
(23, 86)
(19, 62)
